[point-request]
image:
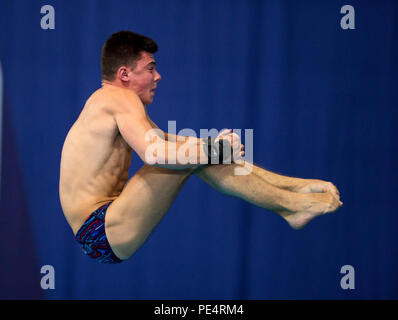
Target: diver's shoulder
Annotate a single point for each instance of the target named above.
(122, 98)
(100, 100)
(114, 99)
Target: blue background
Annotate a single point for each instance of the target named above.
(322, 102)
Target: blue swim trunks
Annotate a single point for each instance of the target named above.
(92, 238)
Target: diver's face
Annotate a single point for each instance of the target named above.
(143, 79)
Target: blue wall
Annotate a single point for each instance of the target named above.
(322, 102)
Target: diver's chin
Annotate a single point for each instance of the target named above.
(147, 102)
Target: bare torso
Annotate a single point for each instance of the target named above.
(95, 159)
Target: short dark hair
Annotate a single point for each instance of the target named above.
(123, 48)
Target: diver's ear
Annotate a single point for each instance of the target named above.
(123, 73)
